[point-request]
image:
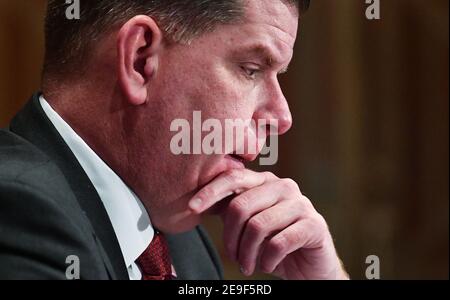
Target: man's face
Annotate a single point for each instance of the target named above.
(230, 73)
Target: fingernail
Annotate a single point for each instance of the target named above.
(243, 271)
(195, 204)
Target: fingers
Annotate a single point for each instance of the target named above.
(281, 245)
(241, 209)
(263, 226)
(306, 234)
(267, 221)
(229, 183)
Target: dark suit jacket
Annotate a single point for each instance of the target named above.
(50, 210)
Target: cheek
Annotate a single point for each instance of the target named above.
(207, 84)
(220, 95)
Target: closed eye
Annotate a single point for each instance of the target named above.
(251, 71)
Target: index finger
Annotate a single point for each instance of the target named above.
(231, 182)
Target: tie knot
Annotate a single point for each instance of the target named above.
(155, 262)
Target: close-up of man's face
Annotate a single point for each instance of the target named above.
(229, 73)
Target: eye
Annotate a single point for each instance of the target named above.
(251, 70)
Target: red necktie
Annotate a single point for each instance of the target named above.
(155, 262)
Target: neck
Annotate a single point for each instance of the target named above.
(97, 115)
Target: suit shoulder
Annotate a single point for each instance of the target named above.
(21, 161)
(39, 232)
(41, 222)
(28, 177)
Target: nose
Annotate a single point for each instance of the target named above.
(275, 107)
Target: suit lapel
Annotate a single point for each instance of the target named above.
(33, 125)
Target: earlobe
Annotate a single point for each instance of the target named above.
(139, 41)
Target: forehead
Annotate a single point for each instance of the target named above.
(277, 17)
(268, 24)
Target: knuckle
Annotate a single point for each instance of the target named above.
(234, 175)
(290, 185)
(295, 207)
(256, 225)
(321, 221)
(206, 193)
(238, 207)
(287, 241)
(318, 221)
(269, 175)
(278, 244)
(294, 238)
(307, 203)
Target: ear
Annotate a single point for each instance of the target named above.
(139, 42)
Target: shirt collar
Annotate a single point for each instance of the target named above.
(128, 216)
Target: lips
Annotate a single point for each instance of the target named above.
(244, 158)
(226, 163)
(238, 160)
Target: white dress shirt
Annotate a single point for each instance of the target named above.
(128, 216)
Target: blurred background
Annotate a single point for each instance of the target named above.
(370, 144)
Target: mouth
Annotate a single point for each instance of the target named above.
(241, 159)
(228, 162)
(237, 160)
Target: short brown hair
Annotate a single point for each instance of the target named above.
(67, 41)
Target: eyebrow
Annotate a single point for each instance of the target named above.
(264, 52)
